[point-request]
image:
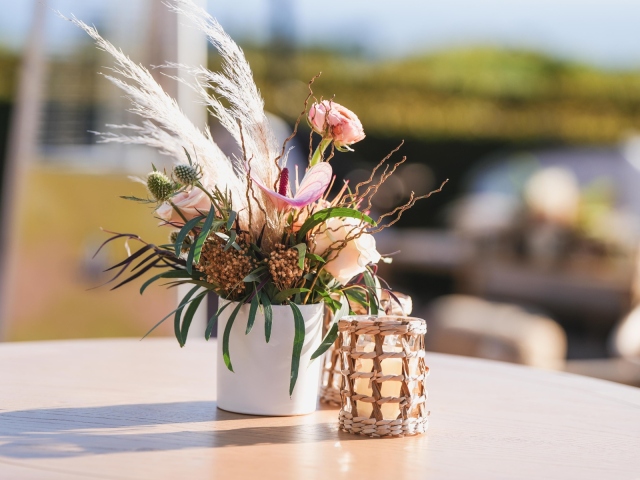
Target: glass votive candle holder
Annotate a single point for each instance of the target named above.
(383, 391)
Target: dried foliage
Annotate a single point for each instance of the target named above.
(226, 269)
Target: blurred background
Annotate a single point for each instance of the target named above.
(530, 108)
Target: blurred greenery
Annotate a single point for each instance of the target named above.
(473, 93)
(8, 74)
(476, 93)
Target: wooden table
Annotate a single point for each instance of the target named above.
(124, 409)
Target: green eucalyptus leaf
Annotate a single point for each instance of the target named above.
(196, 249)
(136, 199)
(169, 274)
(315, 257)
(227, 333)
(373, 289)
(328, 340)
(184, 231)
(324, 215)
(358, 297)
(285, 294)
(232, 219)
(268, 315)
(178, 315)
(255, 301)
(302, 250)
(188, 317)
(168, 315)
(332, 334)
(298, 342)
(210, 325)
(232, 240)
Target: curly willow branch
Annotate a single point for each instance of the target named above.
(353, 197)
(403, 208)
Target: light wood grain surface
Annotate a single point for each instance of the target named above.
(124, 409)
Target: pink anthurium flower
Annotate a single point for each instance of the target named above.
(312, 187)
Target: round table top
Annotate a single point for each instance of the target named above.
(124, 409)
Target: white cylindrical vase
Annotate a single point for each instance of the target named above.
(259, 383)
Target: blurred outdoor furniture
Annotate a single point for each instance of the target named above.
(585, 293)
(139, 410)
(470, 326)
(619, 370)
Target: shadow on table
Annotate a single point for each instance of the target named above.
(72, 432)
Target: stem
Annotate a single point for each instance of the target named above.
(313, 284)
(318, 154)
(178, 211)
(201, 187)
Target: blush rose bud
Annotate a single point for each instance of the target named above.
(332, 120)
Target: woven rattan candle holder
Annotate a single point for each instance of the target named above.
(383, 371)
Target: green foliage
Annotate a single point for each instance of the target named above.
(298, 342)
(472, 93)
(227, 333)
(323, 215)
(332, 334)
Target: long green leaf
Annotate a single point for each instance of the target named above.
(298, 342)
(137, 275)
(324, 215)
(254, 276)
(302, 250)
(227, 334)
(330, 338)
(168, 315)
(131, 257)
(212, 320)
(184, 231)
(232, 219)
(169, 274)
(136, 199)
(255, 301)
(178, 315)
(188, 317)
(268, 315)
(315, 257)
(226, 238)
(358, 297)
(232, 240)
(373, 296)
(196, 248)
(285, 294)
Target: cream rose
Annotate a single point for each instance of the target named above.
(354, 257)
(192, 203)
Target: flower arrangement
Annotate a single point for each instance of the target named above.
(249, 229)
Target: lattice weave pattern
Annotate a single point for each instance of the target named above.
(383, 372)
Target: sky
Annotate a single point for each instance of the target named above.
(601, 32)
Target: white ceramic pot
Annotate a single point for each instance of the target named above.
(259, 383)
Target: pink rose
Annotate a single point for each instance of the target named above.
(332, 120)
(354, 257)
(192, 203)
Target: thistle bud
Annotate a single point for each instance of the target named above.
(186, 174)
(160, 187)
